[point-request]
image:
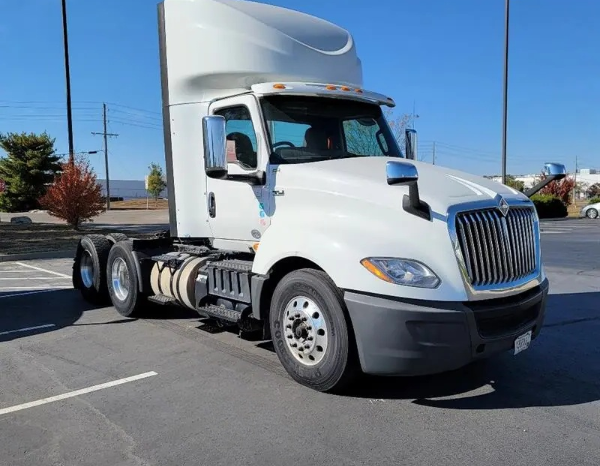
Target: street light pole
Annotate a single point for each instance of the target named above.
(505, 91)
(68, 78)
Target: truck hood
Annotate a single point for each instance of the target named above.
(365, 178)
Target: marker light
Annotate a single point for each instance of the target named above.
(330, 87)
(345, 88)
(278, 86)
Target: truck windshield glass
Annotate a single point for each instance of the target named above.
(312, 129)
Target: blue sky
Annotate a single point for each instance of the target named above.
(445, 57)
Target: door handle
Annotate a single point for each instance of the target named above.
(212, 205)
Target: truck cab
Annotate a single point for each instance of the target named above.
(295, 212)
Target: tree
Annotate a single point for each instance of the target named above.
(563, 189)
(30, 165)
(76, 195)
(512, 182)
(156, 181)
(593, 190)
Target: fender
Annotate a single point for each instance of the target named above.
(337, 244)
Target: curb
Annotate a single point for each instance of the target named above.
(38, 255)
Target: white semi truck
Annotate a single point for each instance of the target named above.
(294, 212)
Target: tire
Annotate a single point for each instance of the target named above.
(123, 281)
(116, 237)
(89, 269)
(591, 213)
(312, 294)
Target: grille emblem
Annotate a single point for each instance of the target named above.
(503, 207)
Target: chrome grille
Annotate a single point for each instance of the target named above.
(497, 249)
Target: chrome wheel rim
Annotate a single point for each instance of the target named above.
(305, 331)
(86, 269)
(592, 213)
(120, 279)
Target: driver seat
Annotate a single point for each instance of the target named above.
(316, 139)
(244, 151)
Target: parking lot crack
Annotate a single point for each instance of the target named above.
(571, 322)
(128, 440)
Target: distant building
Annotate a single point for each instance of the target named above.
(128, 189)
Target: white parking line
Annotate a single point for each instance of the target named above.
(25, 293)
(30, 278)
(82, 391)
(39, 269)
(14, 271)
(27, 329)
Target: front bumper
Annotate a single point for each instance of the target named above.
(405, 337)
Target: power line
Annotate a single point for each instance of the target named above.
(106, 136)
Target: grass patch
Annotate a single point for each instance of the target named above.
(45, 237)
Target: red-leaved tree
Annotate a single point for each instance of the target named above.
(563, 189)
(75, 196)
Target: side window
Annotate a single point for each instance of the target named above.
(363, 137)
(241, 138)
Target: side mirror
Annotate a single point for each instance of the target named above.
(401, 173)
(215, 146)
(411, 144)
(553, 172)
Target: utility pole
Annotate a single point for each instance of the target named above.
(434, 152)
(68, 79)
(505, 100)
(106, 136)
(575, 179)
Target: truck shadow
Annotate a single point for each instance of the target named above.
(36, 312)
(561, 368)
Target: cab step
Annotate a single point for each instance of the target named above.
(220, 312)
(162, 299)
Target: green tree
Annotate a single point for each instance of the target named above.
(156, 181)
(512, 182)
(29, 167)
(593, 190)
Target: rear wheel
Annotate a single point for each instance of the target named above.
(591, 213)
(310, 331)
(123, 282)
(116, 237)
(89, 269)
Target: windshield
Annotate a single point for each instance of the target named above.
(311, 129)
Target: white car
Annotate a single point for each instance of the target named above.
(591, 210)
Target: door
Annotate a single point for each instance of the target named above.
(238, 211)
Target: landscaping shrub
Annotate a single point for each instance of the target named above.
(75, 195)
(549, 206)
(594, 200)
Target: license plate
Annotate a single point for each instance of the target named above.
(522, 342)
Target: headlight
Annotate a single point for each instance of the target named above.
(401, 271)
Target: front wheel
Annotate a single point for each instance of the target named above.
(123, 281)
(592, 213)
(310, 332)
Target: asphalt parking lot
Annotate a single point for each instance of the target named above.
(83, 386)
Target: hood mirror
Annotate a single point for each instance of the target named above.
(406, 174)
(553, 172)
